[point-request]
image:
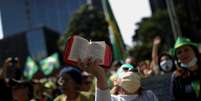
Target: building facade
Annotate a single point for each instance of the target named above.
(21, 15)
(38, 22)
(38, 43)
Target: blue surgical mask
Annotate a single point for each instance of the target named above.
(190, 64)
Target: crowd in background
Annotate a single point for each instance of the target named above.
(121, 82)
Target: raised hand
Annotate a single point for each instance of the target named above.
(92, 67)
(157, 40)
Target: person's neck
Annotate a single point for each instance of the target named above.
(194, 68)
(72, 96)
(134, 93)
(127, 93)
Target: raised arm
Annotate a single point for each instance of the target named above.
(154, 61)
(102, 90)
(3, 71)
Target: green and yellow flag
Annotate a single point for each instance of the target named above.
(30, 68)
(119, 48)
(50, 63)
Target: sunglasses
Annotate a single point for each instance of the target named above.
(133, 69)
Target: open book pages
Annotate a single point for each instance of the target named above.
(79, 47)
(82, 49)
(96, 50)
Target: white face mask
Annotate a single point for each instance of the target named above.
(166, 65)
(130, 82)
(190, 64)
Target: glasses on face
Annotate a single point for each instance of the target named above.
(132, 70)
(126, 69)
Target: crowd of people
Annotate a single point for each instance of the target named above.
(88, 81)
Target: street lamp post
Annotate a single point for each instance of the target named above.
(173, 19)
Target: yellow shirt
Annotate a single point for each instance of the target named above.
(61, 98)
(81, 97)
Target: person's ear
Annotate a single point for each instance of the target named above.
(60, 81)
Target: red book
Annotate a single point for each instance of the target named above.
(79, 47)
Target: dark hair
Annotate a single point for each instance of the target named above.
(73, 72)
(117, 63)
(14, 59)
(197, 54)
(14, 71)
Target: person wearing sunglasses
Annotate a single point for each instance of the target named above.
(129, 85)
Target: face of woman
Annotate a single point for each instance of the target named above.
(185, 54)
(69, 85)
(166, 63)
(86, 83)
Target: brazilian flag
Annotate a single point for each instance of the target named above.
(30, 68)
(50, 63)
(118, 45)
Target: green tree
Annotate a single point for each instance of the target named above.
(87, 22)
(156, 25)
(159, 25)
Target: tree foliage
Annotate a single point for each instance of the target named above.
(156, 25)
(159, 24)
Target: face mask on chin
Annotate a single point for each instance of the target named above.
(190, 64)
(166, 65)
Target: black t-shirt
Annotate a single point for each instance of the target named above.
(5, 93)
(183, 89)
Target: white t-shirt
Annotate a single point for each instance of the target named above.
(104, 95)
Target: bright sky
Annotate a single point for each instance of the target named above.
(1, 29)
(127, 14)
